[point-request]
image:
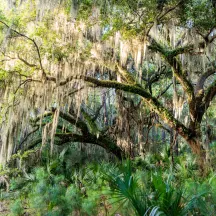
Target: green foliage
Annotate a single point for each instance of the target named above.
(200, 14)
(127, 188)
(48, 194)
(16, 208)
(163, 190)
(73, 198)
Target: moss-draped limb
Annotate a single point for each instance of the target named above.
(34, 121)
(64, 138)
(126, 75)
(66, 116)
(90, 133)
(210, 94)
(170, 57)
(201, 81)
(87, 133)
(203, 98)
(103, 141)
(74, 121)
(181, 50)
(93, 128)
(155, 46)
(148, 98)
(181, 77)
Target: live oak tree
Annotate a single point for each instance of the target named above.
(54, 57)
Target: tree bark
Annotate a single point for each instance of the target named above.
(198, 149)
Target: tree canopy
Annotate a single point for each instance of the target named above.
(101, 72)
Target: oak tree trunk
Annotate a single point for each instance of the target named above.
(198, 149)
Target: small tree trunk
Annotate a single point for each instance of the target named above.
(153, 138)
(173, 142)
(176, 146)
(197, 149)
(163, 136)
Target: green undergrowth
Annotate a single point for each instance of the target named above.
(148, 186)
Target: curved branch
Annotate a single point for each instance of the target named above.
(102, 141)
(87, 136)
(25, 62)
(210, 94)
(164, 91)
(27, 136)
(21, 84)
(147, 97)
(28, 38)
(169, 10)
(125, 74)
(74, 121)
(202, 79)
(171, 57)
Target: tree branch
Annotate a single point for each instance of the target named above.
(171, 57)
(28, 38)
(210, 94)
(152, 101)
(170, 10)
(25, 62)
(164, 91)
(202, 79)
(126, 75)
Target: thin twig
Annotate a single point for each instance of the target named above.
(24, 82)
(30, 39)
(164, 91)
